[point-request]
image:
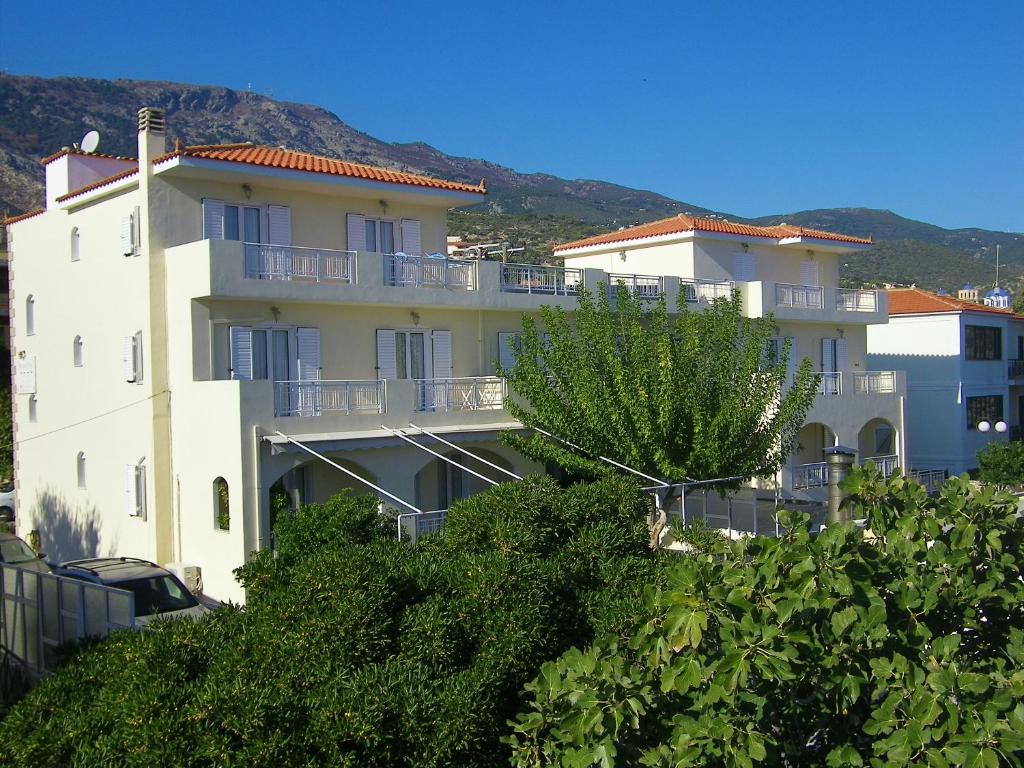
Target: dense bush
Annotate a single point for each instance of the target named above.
(1002, 464)
(355, 649)
(899, 647)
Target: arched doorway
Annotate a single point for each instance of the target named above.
(440, 483)
(878, 441)
(315, 482)
(808, 458)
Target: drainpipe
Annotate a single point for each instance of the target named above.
(838, 460)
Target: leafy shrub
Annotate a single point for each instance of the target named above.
(1002, 464)
(356, 649)
(904, 647)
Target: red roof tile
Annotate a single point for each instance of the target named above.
(684, 223)
(914, 301)
(23, 216)
(271, 157)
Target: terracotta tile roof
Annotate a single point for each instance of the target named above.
(23, 216)
(271, 157)
(97, 184)
(914, 301)
(684, 223)
(69, 151)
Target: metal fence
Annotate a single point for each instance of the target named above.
(527, 278)
(312, 398)
(476, 393)
(641, 286)
(429, 272)
(41, 612)
(413, 526)
(289, 262)
(802, 296)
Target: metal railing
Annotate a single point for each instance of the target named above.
(477, 393)
(854, 300)
(312, 398)
(1014, 368)
(875, 383)
(810, 475)
(413, 526)
(831, 383)
(407, 271)
(290, 262)
(641, 286)
(800, 296)
(930, 479)
(528, 278)
(884, 464)
(696, 289)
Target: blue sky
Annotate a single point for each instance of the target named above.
(747, 107)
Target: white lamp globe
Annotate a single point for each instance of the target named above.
(1000, 426)
(984, 426)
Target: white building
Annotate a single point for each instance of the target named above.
(793, 274)
(963, 364)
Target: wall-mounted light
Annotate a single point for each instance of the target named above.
(745, 247)
(985, 426)
(247, 191)
(415, 317)
(275, 312)
(841, 332)
(383, 205)
(622, 255)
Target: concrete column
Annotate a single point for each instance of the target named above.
(838, 459)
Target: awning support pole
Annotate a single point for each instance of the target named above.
(408, 439)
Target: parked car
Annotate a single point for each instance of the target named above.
(14, 551)
(158, 592)
(7, 502)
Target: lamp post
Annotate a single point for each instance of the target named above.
(984, 426)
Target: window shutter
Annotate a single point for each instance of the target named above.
(128, 358)
(137, 231)
(138, 355)
(442, 344)
(411, 237)
(213, 219)
(131, 491)
(842, 362)
(126, 235)
(743, 269)
(279, 225)
(507, 342)
(308, 343)
(241, 352)
(140, 490)
(356, 226)
(386, 366)
(808, 273)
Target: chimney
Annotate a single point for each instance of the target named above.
(152, 137)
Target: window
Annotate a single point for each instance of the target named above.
(986, 408)
(30, 315)
(221, 505)
(409, 351)
(32, 416)
(983, 342)
(380, 236)
(242, 222)
(81, 469)
(75, 256)
(76, 351)
(264, 353)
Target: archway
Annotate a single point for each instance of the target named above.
(315, 482)
(878, 441)
(440, 483)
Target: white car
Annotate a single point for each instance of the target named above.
(158, 592)
(7, 502)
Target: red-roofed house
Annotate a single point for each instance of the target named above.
(965, 368)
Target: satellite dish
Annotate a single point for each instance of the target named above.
(90, 141)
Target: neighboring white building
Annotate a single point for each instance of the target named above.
(793, 274)
(964, 367)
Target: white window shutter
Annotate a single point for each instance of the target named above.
(507, 342)
(128, 359)
(213, 219)
(308, 343)
(442, 344)
(842, 361)
(140, 490)
(411, 243)
(137, 231)
(279, 225)
(387, 367)
(241, 352)
(808, 273)
(131, 490)
(355, 223)
(137, 349)
(126, 235)
(743, 269)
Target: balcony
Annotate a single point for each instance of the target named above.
(803, 296)
(648, 287)
(314, 398)
(835, 383)
(429, 272)
(851, 300)
(697, 290)
(288, 262)
(790, 301)
(476, 393)
(813, 475)
(552, 281)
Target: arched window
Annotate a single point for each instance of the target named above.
(77, 351)
(75, 256)
(31, 407)
(221, 505)
(30, 315)
(81, 469)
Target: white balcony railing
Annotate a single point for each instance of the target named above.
(930, 479)
(810, 475)
(528, 278)
(429, 272)
(289, 262)
(875, 383)
(705, 290)
(641, 286)
(884, 464)
(850, 300)
(312, 398)
(831, 383)
(466, 394)
(801, 296)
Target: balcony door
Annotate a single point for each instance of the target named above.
(833, 362)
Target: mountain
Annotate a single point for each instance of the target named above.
(40, 115)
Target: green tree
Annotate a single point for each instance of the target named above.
(903, 647)
(1002, 464)
(6, 435)
(696, 394)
